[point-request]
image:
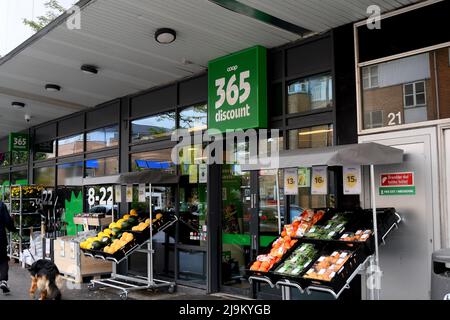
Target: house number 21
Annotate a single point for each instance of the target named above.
(394, 118)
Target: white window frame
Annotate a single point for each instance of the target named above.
(414, 95)
(358, 73)
(369, 75)
(375, 125)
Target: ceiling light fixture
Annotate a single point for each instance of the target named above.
(18, 105)
(165, 35)
(52, 87)
(89, 69)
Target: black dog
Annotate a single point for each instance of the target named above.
(45, 277)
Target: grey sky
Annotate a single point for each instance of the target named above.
(12, 12)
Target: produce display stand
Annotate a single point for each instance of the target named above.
(366, 154)
(16, 204)
(126, 283)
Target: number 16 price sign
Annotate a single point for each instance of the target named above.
(319, 180)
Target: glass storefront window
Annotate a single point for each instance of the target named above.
(19, 157)
(310, 94)
(194, 118)
(45, 176)
(45, 150)
(70, 145)
(154, 127)
(102, 138)
(407, 90)
(4, 189)
(312, 137)
(5, 159)
(156, 160)
(305, 200)
(270, 202)
(19, 177)
(70, 173)
(102, 167)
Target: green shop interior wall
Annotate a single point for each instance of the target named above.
(73, 206)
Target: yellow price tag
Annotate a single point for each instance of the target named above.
(351, 180)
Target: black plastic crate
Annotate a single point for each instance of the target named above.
(319, 245)
(269, 273)
(122, 252)
(339, 281)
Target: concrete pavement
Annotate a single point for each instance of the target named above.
(19, 282)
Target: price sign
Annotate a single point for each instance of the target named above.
(203, 173)
(304, 178)
(129, 193)
(100, 196)
(319, 180)
(118, 193)
(291, 181)
(352, 180)
(237, 90)
(142, 193)
(193, 173)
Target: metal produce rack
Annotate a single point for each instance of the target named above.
(20, 242)
(364, 154)
(285, 285)
(125, 283)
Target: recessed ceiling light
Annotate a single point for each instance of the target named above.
(18, 105)
(52, 87)
(89, 69)
(165, 35)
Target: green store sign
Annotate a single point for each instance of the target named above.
(19, 142)
(237, 90)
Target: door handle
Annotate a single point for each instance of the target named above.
(254, 241)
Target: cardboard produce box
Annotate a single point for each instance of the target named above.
(73, 264)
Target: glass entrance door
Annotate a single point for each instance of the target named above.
(252, 215)
(236, 229)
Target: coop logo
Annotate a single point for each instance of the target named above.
(73, 22)
(235, 147)
(233, 68)
(374, 20)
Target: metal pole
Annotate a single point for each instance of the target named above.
(277, 185)
(375, 225)
(150, 243)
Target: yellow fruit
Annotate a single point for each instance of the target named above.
(106, 249)
(126, 217)
(107, 232)
(112, 225)
(101, 235)
(120, 221)
(159, 216)
(133, 212)
(147, 221)
(135, 228)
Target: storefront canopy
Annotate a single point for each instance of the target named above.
(149, 176)
(344, 155)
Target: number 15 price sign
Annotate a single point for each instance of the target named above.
(352, 179)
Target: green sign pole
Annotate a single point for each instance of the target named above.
(237, 90)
